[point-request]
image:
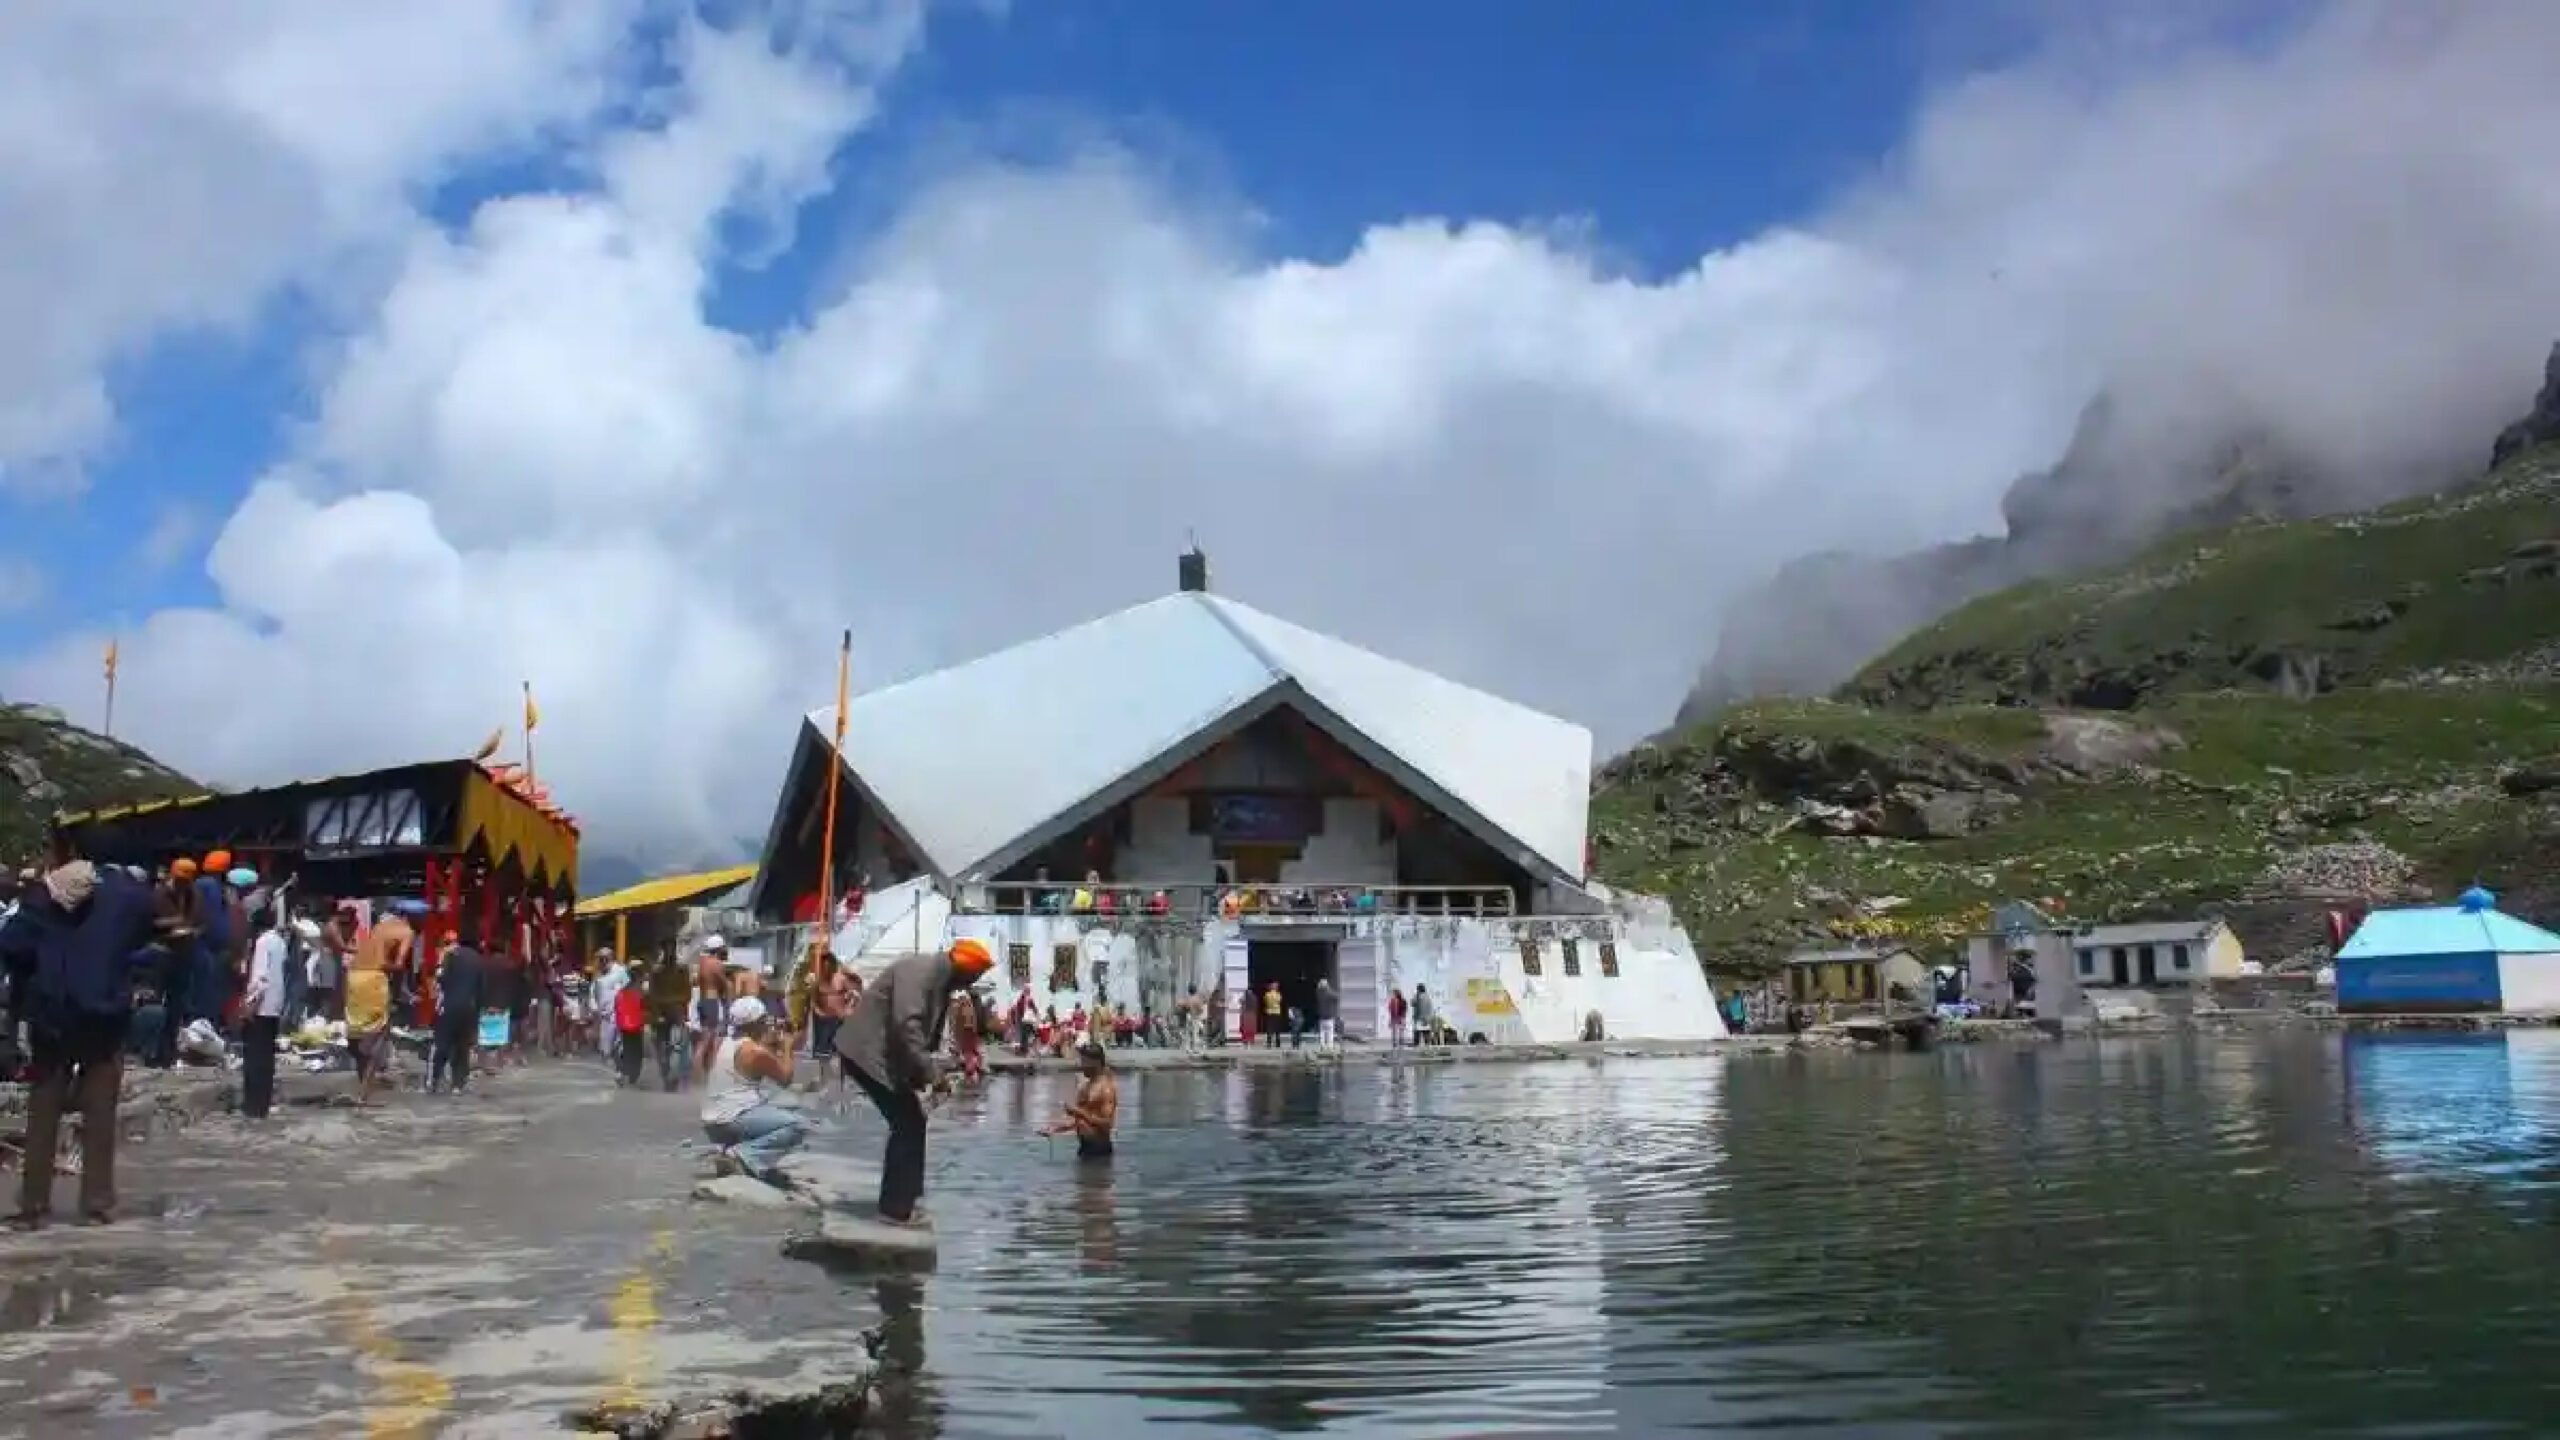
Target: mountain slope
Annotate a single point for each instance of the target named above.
(48, 764)
(1788, 822)
(2466, 583)
(2267, 721)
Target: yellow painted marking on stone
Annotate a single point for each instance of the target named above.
(407, 1397)
(634, 1312)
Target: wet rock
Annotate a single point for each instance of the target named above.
(830, 1182)
(830, 1412)
(748, 1192)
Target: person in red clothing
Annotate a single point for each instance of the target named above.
(630, 1025)
(1395, 1016)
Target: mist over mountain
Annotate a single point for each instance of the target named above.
(2143, 463)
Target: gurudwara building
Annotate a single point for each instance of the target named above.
(1191, 793)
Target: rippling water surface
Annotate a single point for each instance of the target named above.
(2294, 1236)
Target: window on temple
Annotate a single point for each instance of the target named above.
(1608, 959)
(1572, 958)
(1529, 962)
(1062, 967)
(1017, 966)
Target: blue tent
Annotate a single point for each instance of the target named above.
(2463, 956)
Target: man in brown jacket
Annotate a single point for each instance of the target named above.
(889, 1045)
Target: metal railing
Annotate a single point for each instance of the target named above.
(1140, 901)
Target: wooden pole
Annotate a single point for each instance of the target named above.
(531, 722)
(109, 728)
(835, 782)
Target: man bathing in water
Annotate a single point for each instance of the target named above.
(1096, 1108)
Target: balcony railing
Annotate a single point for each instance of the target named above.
(1191, 903)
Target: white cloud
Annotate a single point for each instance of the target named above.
(1471, 445)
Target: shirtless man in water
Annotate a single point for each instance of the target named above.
(1096, 1108)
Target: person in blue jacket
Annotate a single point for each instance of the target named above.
(69, 952)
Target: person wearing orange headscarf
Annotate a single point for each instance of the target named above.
(891, 1047)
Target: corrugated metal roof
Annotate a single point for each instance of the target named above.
(2445, 930)
(666, 890)
(971, 759)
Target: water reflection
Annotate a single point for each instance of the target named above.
(2149, 1238)
(2485, 1107)
(909, 1399)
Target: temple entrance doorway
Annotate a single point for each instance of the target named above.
(1297, 965)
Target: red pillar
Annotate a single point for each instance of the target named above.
(491, 883)
(431, 931)
(453, 888)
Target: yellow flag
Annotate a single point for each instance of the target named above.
(532, 717)
(111, 659)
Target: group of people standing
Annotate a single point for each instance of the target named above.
(887, 1039)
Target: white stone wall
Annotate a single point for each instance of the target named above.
(1473, 969)
(1161, 848)
(1349, 852)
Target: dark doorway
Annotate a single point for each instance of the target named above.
(2116, 965)
(1297, 965)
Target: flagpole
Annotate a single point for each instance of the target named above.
(529, 724)
(108, 729)
(835, 782)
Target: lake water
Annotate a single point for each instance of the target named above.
(2285, 1235)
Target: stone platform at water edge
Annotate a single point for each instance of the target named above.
(865, 1242)
(843, 1196)
(470, 1267)
(810, 1182)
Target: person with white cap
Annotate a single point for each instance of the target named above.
(738, 1112)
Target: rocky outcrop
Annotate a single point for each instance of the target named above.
(2540, 425)
(48, 764)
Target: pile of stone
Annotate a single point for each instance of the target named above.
(2361, 869)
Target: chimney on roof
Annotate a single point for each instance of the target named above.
(1193, 570)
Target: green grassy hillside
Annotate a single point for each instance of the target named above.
(2467, 583)
(48, 764)
(1781, 824)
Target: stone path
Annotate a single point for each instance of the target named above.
(468, 1267)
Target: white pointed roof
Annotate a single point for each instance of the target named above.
(972, 759)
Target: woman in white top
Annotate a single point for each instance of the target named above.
(736, 1112)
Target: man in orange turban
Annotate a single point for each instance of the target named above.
(891, 1046)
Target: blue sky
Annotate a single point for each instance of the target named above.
(1585, 319)
(1668, 127)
